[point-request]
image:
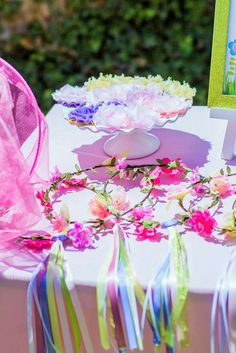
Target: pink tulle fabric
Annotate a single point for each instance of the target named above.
(21, 123)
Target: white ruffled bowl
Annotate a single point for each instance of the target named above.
(129, 118)
(134, 143)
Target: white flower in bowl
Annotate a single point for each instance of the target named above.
(116, 92)
(168, 106)
(124, 117)
(70, 95)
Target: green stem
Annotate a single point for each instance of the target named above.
(137, 204)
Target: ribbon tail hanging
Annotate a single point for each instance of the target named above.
(168, 311)
(53, 307)
(180, 264)
(119, 291)
(223, 311)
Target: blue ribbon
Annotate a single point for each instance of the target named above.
(45, 314)
(158, 299)
(167, 314)
(171, 223)
(60, 237)
(219, 305)
(130, 330)
(30, 299)
(41, 307)
(157, 295)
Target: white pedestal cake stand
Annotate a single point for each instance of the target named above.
(136, 143)
(133, 143)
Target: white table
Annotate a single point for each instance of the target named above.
(198, 141)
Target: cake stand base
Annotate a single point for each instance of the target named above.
(132, 145)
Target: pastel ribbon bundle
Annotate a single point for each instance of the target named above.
(223, 311)
(56, 322)
(118, 292)
(55, 318)
(167, 308)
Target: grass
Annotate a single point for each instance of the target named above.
(229, 86)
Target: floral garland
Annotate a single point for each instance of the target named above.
(200, 200)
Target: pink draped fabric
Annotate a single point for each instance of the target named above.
(21, 121)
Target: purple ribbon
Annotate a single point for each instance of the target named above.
(45, 314)
(60, 237)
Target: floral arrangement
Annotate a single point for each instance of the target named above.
(200, 200)
(121, 102)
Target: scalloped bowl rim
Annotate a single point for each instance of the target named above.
(98, 128)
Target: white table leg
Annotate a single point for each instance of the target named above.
(229, 140)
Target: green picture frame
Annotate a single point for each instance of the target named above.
(222, 85)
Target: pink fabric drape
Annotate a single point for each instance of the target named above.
(21, 121)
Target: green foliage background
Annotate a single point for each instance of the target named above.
(55, 42)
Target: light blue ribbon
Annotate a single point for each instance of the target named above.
(170, 223)
(32, 297)
(167, 314)
(130, 330)
(219, 306)
(157, 291)
(158, 300)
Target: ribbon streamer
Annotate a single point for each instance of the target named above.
(54, 314)
(166, 297)
(223, 312)
(118, 292)
(180, 264)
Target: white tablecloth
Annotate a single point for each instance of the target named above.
(197, 140)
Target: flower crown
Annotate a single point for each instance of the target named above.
(200, 200)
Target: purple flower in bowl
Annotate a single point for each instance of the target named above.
(83, 114)
(72, 105)
(116, 102)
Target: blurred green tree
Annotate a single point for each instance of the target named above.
(53, 42)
